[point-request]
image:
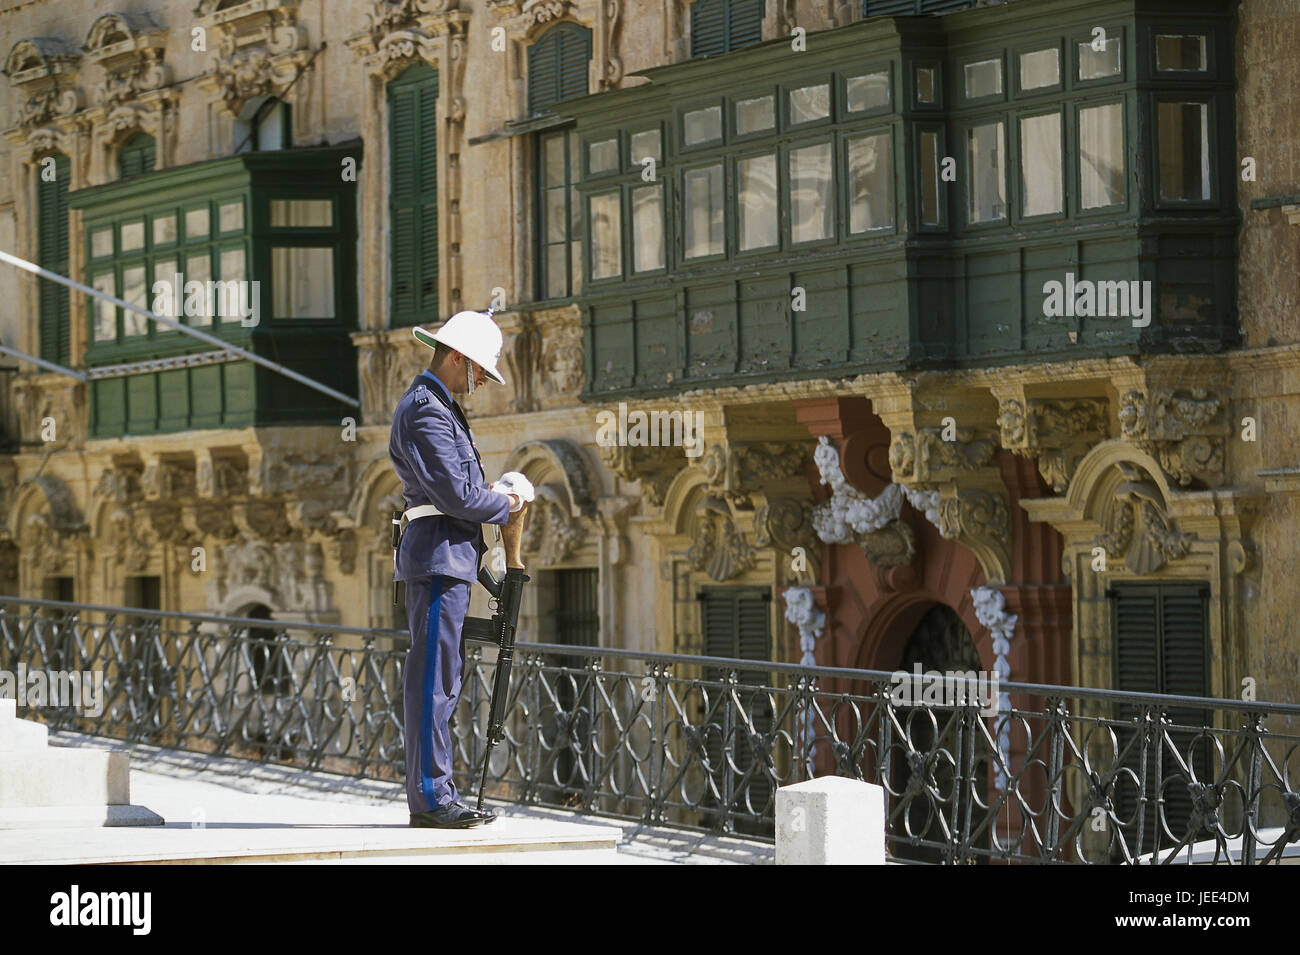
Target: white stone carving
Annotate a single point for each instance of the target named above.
(991, 610)
(849, 511)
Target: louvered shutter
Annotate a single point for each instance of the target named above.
(52, 254)
(136, 156)
(744, 23)
(736, 625)
(558, 64)
(1161, 636)
(413, 198)
(907, 8)
(708, 27)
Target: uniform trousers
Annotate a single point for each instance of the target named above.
(431, 681)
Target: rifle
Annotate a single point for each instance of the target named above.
(499, 631)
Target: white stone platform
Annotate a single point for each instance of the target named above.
(231, 811)
(43, 786)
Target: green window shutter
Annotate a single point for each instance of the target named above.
(52, 254)
(558, 63)
(136, 156)
(720, 26)
(413, 196)
(708, 27)
(744, 23)
(1161, 637)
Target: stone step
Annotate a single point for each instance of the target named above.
(505, 841)
(63, 777)
(17, 735)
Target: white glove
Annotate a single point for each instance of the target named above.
(512, 482)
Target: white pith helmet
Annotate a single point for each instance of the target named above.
(474, 335)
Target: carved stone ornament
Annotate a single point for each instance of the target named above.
(552, 533)
(654, 467)
(926, 458)
(1139, 531)
(1058, 431)
(1185, 429)
(784, 524)
(260, 49)
(129, 48)
(45, 71)
(801, 610)
(852, 517)
(720, 550)
(737, 471)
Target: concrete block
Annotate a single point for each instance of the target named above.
(20, 735)
(830, 820)
(64, 777)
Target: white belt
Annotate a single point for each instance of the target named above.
(423, 510)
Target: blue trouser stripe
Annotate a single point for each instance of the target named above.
(430, 677)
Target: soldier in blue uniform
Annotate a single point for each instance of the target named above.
(439, 551)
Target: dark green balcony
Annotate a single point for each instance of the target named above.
(900, 194)
(285, 219)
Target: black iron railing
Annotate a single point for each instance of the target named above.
(1065, 775)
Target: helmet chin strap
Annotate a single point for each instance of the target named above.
(469, 377)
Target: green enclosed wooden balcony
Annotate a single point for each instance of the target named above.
(934, 191)
(258, 249)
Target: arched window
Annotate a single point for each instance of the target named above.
(136, 156)
(720, 26)
(557, 66)
(413, 195)
(53, 172)
(263, 125)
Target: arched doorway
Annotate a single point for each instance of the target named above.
(930, 774)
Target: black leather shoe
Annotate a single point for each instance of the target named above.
(451, 816)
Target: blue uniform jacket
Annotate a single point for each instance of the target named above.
(434, 455)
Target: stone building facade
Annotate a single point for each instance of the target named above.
(1034, 482)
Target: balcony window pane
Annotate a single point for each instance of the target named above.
(1040, 68)
(135, 292)
(1180, 53)
(1040, 163)
(302, 282)
(166, 294)
(132, 236)
(105, 312)
(645, 145)
(1095, 64)
(754, 115)
(871, 205)
(233, 299)
(1101, 156)
(605, 230)
(986, 153)
(556, 216)
(703, 125)
(196, 223)
(230, 216)
(869, 91)
(164, 230)
(812, 212)
(602, 156)
(927, 84)
(198, 268)
(756, 202)
(1184, 151)
(101, 243)
(647, 228)
(810, 102)
(556, 279)
(704, 214)
(553, 160)
(300, 214)
(930, 178)
(983, 78)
